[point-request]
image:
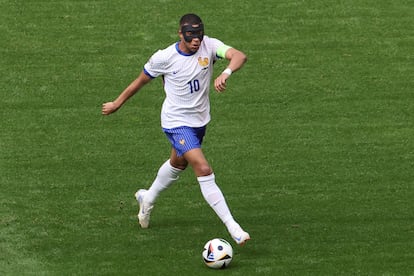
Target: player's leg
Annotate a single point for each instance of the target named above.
(213, 195)
(167, 174)
(195, 157)
(176, 161)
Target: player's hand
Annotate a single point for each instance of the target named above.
(108, 108)
(220, 82)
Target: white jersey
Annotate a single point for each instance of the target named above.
(186, 80)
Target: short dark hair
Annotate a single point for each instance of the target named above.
(190, 19)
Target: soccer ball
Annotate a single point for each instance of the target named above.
(217, 253)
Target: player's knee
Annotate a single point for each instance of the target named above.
(203, 170)
(178, 163)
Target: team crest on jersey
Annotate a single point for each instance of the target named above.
(203, 61)
(182, 142)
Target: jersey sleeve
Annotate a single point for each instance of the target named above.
(221, 51)
(155, 65)
(218, 47)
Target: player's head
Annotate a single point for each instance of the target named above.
(191, 27)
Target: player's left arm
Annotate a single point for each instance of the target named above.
(236, 60)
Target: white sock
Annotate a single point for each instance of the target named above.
(214, 197)
(166, 176)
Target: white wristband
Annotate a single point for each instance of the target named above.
(227, 71)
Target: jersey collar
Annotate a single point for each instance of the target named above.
(181, 52)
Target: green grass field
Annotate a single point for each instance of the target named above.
(312, 143)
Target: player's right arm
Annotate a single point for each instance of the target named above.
(134, 87)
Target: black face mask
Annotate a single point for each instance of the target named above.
(189, 32)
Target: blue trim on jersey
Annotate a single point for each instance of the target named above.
(181, 52)
(148, 74)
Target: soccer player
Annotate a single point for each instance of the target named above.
(186, 68)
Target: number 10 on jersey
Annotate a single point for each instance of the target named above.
(194, 86)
